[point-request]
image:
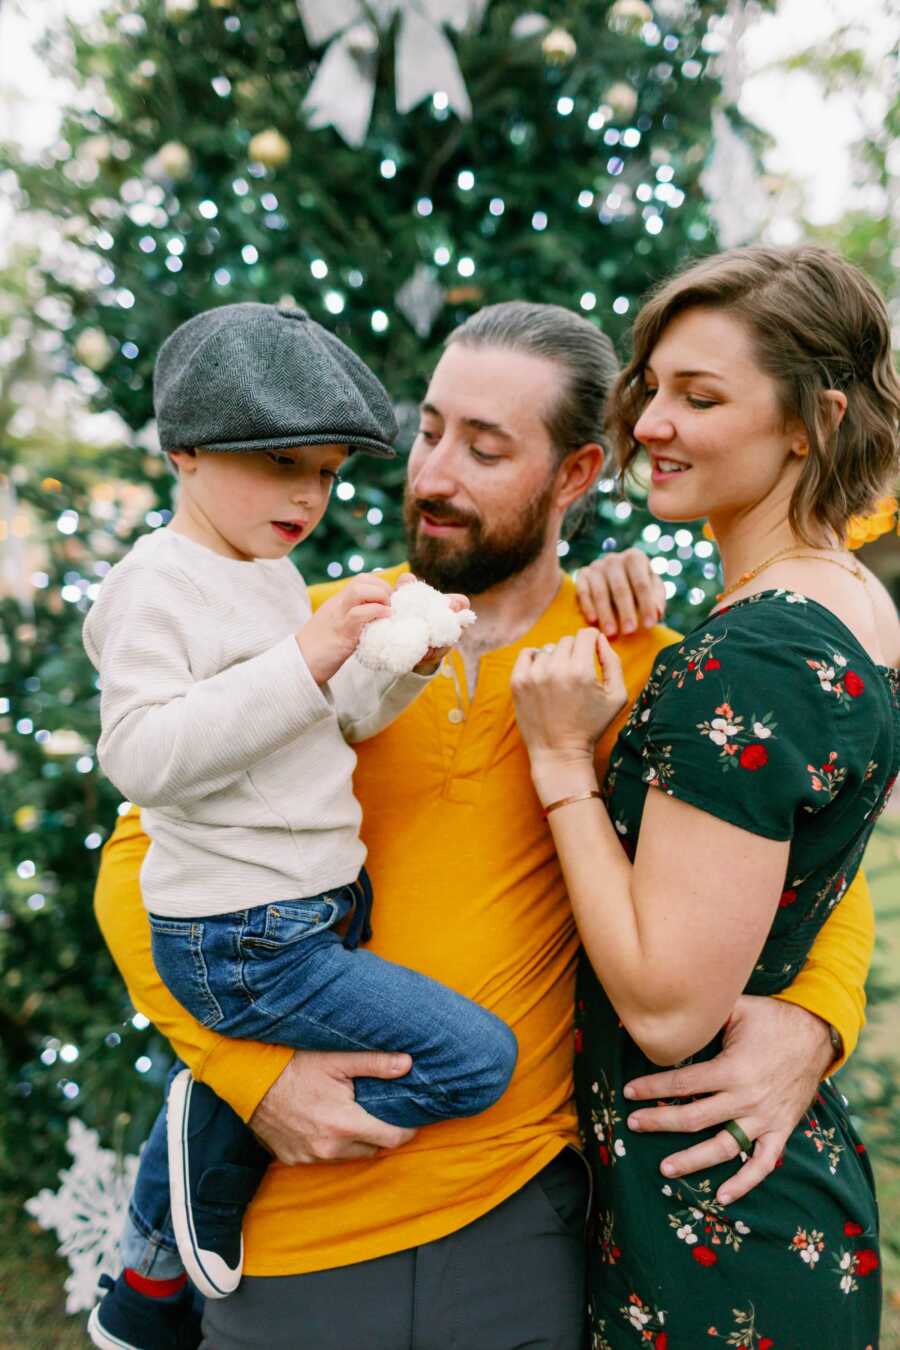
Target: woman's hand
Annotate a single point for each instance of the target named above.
(564, 701)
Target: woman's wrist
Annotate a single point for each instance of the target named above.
(558, 773)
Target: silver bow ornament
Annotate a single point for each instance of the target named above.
(425, 63)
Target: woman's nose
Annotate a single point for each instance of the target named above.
(654, 424)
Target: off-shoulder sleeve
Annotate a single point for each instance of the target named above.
(752, 725)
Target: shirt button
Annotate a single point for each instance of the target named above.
(456, 715)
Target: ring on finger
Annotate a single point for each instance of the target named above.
(744, 1142)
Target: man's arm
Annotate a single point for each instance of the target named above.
(300, 1104)
(775, 1053)
(832, 982)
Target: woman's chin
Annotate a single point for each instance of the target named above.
(663, 504)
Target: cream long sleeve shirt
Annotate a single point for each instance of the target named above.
(212, 723)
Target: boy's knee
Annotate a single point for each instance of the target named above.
(496, 1062)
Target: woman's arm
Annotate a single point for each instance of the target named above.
(673, 937)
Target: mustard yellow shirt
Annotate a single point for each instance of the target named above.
(468, 890)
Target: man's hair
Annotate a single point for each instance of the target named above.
(817, 323)
(587, 363)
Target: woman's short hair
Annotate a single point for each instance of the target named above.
(817, 323)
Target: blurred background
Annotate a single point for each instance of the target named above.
(391, 167)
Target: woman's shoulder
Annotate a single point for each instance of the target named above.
(776, 645)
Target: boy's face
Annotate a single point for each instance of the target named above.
(258, 503)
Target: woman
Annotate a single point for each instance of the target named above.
(762, 388)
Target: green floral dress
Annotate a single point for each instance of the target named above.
(769, 715)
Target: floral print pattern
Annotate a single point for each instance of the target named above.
(701, 1222)
(767, 708)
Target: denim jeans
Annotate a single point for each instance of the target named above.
(282, 973)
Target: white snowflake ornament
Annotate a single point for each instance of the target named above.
(87, 1212)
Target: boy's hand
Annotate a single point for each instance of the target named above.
(435, 655)
(332, 633)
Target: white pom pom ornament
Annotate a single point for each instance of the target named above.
(421, 618)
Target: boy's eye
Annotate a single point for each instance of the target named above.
(331, 474)
(279, 459)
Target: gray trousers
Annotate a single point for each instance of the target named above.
(515, 1279)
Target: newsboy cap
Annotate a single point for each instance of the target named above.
(256, 377)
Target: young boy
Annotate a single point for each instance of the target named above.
(226, 709)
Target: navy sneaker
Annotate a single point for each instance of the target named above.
(215, 1166)
(127, 1320)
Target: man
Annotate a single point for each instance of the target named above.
(470, 1234)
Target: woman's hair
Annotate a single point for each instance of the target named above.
(587, 363)
(817, 323)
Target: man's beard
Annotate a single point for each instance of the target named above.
(484, 558)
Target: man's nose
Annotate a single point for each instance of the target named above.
(434, 474)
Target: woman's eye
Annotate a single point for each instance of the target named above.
(482, 457)
(700, 403)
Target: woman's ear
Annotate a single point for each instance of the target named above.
(837, 405)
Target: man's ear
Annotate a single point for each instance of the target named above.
(183, 461)
(579, 471)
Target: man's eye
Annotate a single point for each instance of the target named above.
(482, 457)
(427, 435)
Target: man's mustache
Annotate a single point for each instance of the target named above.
(442, 512)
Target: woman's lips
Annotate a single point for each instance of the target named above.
(664, 469)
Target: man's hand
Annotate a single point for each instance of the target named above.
(619, 591)
(768, 1072)
(310, 1115)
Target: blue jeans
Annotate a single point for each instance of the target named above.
(282, 973)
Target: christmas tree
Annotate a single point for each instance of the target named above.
(391, 174)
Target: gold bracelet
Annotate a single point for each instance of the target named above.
(564, 801)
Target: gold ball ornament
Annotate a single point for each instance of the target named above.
(558, 46)
(176, 10)
(222, 4)
(270, 148)
(93, 349)
(174, 160)
(629, 16)
(622, 98)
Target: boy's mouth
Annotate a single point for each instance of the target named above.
(290, 530)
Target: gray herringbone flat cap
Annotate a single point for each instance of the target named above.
(255, 377)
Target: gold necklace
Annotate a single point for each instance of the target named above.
(852, 567)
